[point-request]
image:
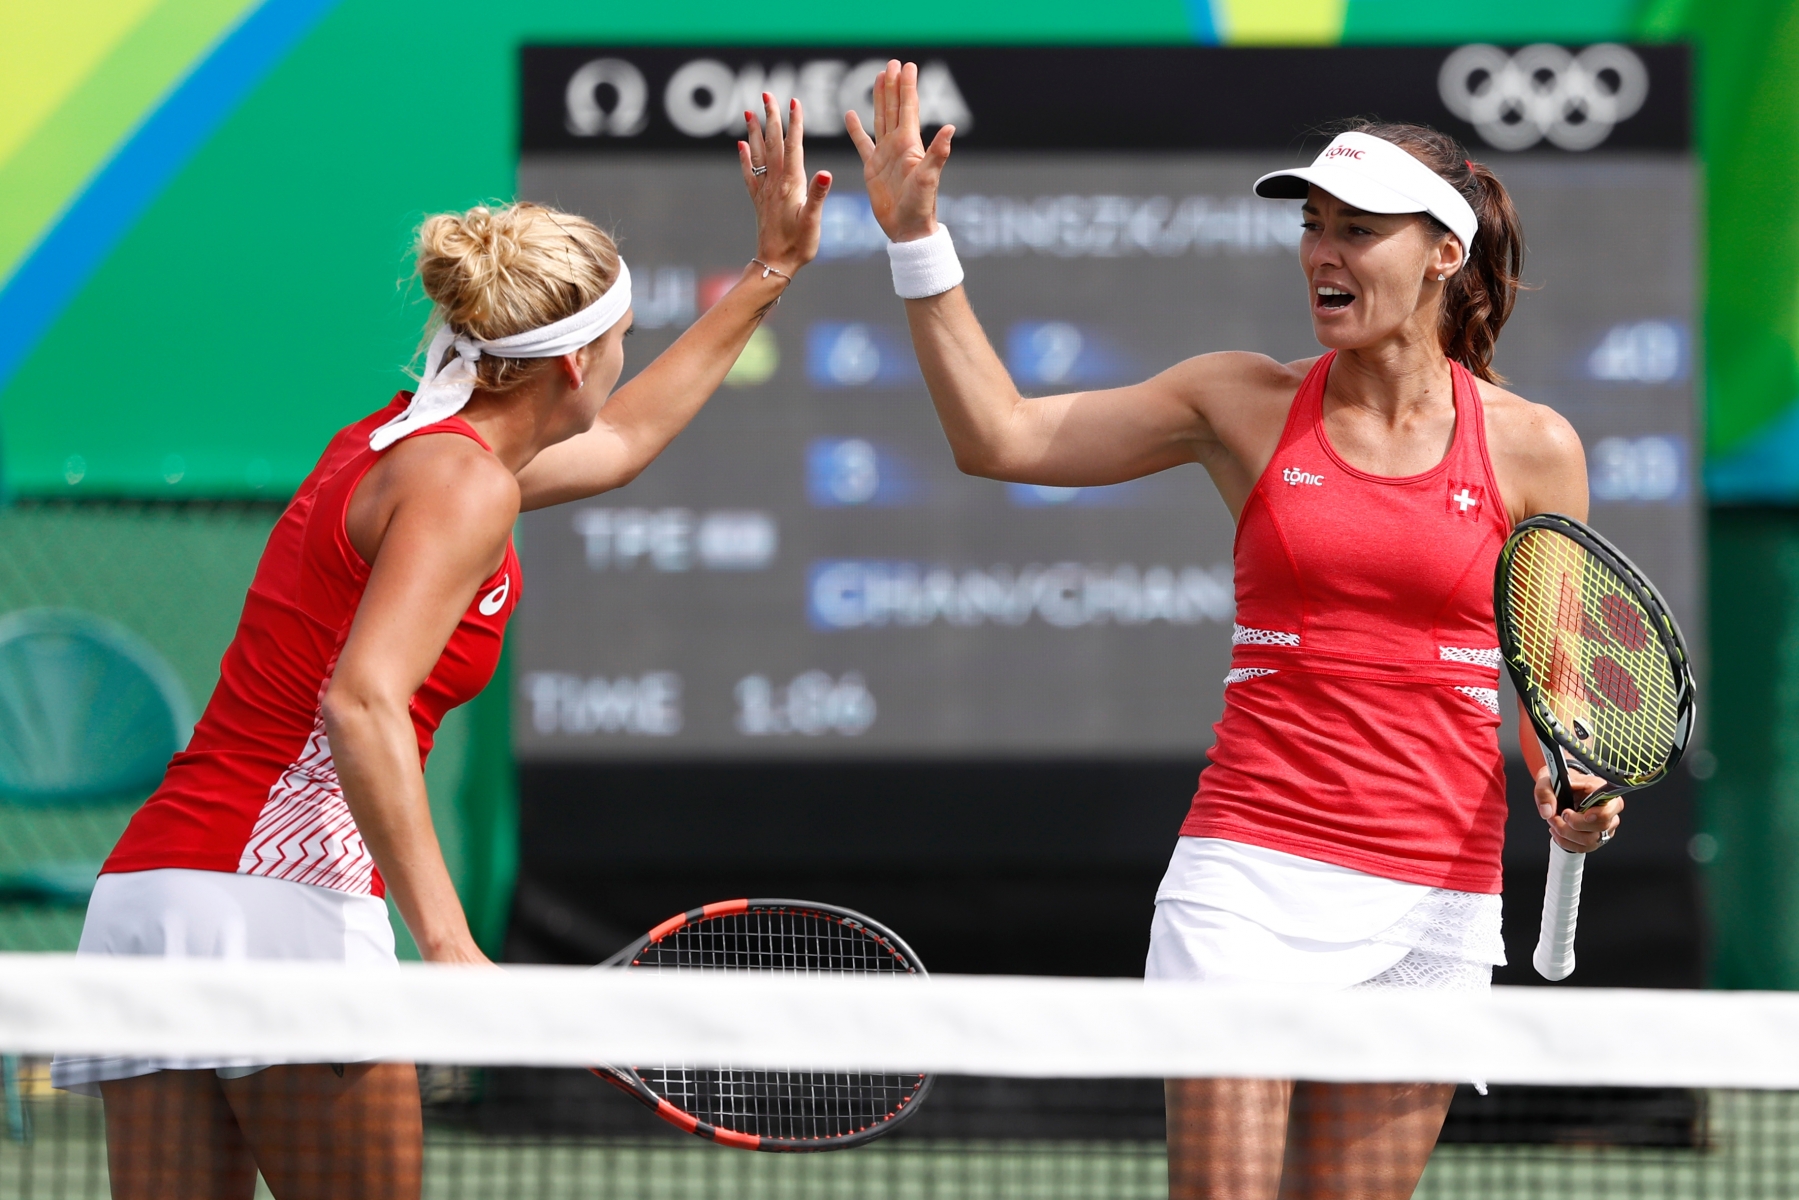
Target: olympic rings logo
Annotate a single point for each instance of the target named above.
(1543, 91)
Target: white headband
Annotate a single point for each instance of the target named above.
(450, 381)
(1376, 176)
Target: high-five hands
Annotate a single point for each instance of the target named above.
(900, 171)
(788, 211)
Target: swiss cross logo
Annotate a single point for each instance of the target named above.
(1464, 499)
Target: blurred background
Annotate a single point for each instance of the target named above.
(802, 655)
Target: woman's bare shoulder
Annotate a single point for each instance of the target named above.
(1243, 368)
(1237, 382)
(1517, 427)
(1536, 455)
(443, 482)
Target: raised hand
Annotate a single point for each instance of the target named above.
(900, 171)
(788, 210)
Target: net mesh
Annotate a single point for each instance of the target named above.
(491, 1130)
(1588, 643)
(1749, 1152)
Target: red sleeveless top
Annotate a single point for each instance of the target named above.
(1361, 712)
(256, 792)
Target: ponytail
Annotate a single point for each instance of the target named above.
(1478, 299)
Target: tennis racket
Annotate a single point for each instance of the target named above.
(1604, 677)
(772, 1110)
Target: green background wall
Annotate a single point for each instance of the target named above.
(202, 273)
(197, 324)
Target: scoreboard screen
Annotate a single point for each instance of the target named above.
(805, 574)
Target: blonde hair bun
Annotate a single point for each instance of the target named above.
(496, 271)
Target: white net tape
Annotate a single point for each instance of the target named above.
(1026, 1027)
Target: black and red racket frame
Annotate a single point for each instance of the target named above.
(633, 1085)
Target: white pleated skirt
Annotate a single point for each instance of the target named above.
(1232, 913)
(174, 912)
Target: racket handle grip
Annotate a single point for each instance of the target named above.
(1554, 959)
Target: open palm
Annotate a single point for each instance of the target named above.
(788, 208)
(899, 170)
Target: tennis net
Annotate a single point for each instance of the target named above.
(1046, 1088)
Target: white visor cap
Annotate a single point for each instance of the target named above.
(1376, 176)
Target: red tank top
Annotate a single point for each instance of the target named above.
(1361, 712)
(256, 792)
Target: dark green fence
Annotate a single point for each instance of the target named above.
(175, 576)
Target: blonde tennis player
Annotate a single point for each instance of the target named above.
(380, 603)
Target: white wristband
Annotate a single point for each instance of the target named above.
(926, 267)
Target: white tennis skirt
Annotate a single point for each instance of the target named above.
(179, 913)
(1232, 913)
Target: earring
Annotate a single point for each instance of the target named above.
(1441, 277)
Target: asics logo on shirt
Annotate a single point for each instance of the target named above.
(1295, 477)
(490, 603)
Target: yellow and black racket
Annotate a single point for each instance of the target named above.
(1604, 676)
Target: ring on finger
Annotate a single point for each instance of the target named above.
(1605, 835)
(758, 171)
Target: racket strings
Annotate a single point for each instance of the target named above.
(1590, 648)
(785, 941)
(791, 1105)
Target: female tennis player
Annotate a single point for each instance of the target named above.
(1348, 830)
(380, 603)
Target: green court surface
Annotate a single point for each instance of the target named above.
(1753, 1154)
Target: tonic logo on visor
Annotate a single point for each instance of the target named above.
(1344, 152)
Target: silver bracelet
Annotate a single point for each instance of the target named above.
(925, 267)
(768, 270)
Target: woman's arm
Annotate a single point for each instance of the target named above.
(643, 417)
(1537, 457)
(1076, 439)
(1540, 468)
(434, 526)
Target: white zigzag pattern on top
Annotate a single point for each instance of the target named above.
(1470, 654)
(305, 832)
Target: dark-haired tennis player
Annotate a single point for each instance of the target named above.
(1347, 832)
(380, 603)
